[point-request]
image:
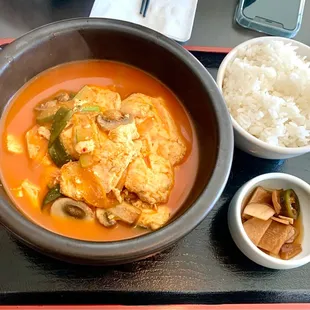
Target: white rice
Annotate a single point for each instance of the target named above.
(267, 90)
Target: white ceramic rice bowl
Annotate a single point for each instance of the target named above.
(244, 140)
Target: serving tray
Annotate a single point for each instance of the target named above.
(204, 267)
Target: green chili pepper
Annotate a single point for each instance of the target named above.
(93, 108)
(52, 194)
(58, 153)
(61, 119)
(290, 205)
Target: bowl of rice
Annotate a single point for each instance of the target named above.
(266, 85)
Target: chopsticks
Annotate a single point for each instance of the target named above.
(144, 7)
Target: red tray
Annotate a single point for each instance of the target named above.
(169, 307)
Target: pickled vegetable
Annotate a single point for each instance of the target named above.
(276, 200)
(274, 228)
(259, 210)
(289, 251)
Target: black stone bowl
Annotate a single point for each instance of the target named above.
(80, 39)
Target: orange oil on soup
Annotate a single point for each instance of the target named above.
(19, 118)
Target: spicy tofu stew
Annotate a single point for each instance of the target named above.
(97, 150)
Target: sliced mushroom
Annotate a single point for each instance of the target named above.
(105, 218)
(46, 105)
(107, 123)
(113, 114)
(67, 207)
(63, 96)
(125, 213)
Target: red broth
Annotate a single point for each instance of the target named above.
(19, 118)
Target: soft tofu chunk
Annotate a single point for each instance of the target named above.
(32, 191)
(256, 228)
(158, 131)
(83, 147)
(154, 219)
(44, 132)
(274, 237)
(13, 144)
(104, 98)
(82, 185)
(18, 192)
(85, 95)
(32, 141)
(139, 106)
(36, 143)
(152, 181)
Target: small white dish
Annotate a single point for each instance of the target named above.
(172, 18)
(244, 140)
(271, 181)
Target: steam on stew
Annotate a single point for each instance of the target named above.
(272, 221)
(99, 158)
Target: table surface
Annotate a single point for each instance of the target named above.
(204, 267)
(213, 24)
